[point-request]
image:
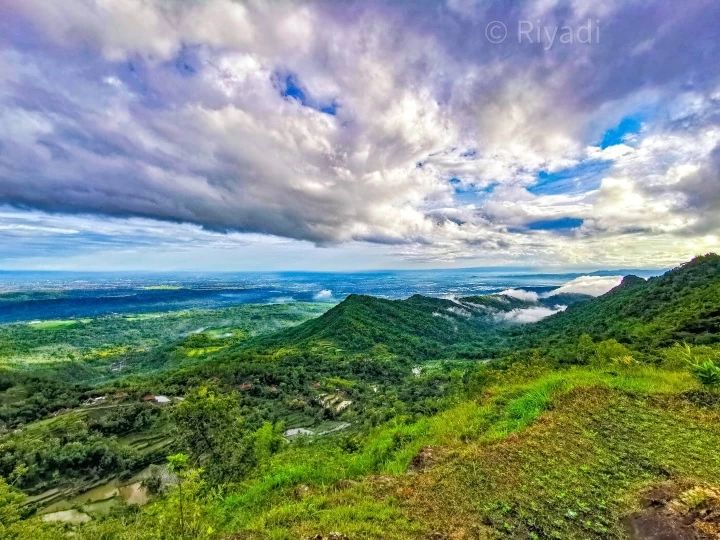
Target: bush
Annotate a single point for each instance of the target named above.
(708, 373)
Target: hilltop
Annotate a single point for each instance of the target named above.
(420, 326)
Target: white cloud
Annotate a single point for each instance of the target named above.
(173, 111)
(592, 285)
(325, 294)
(531, 314)
(521, 294)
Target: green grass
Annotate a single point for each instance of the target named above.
(574, 474)
(53, 324)
(537, 454)
(318, 487)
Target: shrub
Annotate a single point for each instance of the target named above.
(706, 371)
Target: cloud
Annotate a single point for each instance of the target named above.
(181, 113)
(325, 294)
(592, 285)
(530, 315)
(521, 294)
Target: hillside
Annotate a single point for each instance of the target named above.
(681, 305)
(420, 327)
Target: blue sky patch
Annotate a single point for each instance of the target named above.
(290, 88)
(294, 90)
(583, 177)
(563, 223)
(470, 193)
(330, 109)
(627, 126)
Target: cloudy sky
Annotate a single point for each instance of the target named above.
(218, 134)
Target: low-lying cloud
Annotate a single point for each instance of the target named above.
(325, 294)
(591, 285)
(521, 294)
(531, 314)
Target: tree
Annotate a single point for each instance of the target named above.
(210, 424)
(266, 441)
(585, 349)
(10, 504)
(182, 514)
(610, 350)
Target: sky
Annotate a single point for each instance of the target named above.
(227, 135)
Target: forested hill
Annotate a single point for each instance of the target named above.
(681, 305)
(419, 326)
(331, 414)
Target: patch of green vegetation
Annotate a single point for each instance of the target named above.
(420, 327)
(585, 440)
(82, 446)
(681, 305)
(576, 473)
(137, 339)
(55, 366)
(307, 491)
(53, 324)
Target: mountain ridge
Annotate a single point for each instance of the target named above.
(680, 305)
(423, 327)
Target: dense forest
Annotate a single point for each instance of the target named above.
(417, 418)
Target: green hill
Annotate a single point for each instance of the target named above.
(419, 327)
(681, 305)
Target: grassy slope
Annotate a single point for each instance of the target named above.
(576, 473)
(539, 454)
(562, 453)
(595, 438)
